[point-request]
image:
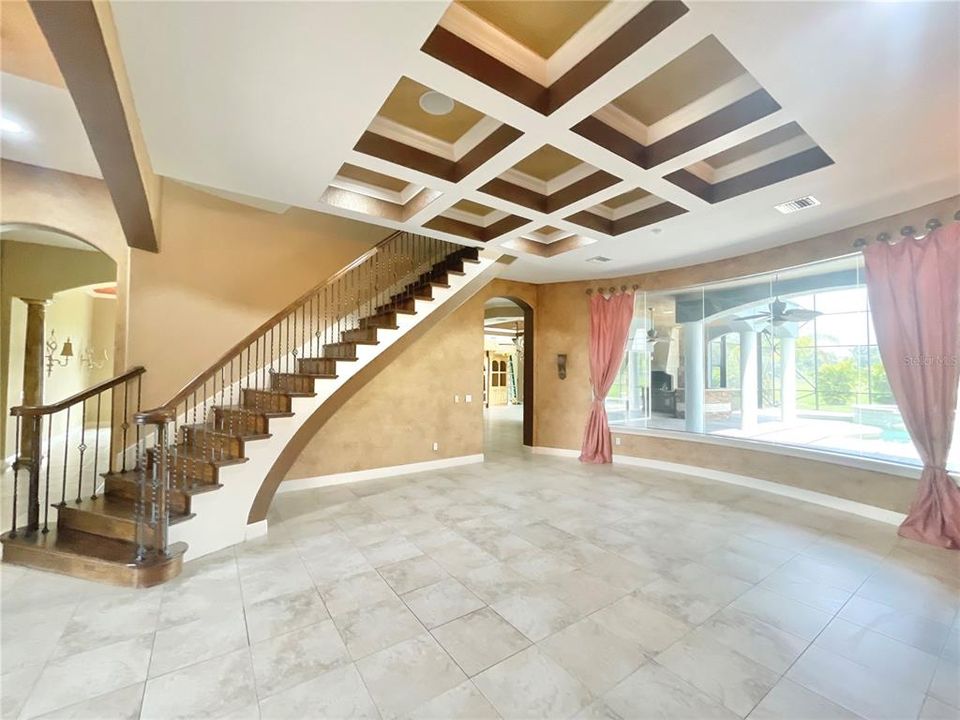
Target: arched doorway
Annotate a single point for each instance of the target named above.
(58, 300)
(508, 396)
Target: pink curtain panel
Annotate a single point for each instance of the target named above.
(609, 326)
(914, 289)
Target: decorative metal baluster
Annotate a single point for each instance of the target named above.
(46, 492)
(124, 426)
(66, 447)
(139, 511)
(96, 449)
(139, 395)
(222, 376)
(82, 447)
(16, 476)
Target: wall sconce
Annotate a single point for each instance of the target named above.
(65, 354)
(93, 361)
(562, 366)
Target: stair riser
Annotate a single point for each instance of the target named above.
(386, 321)
(192, 471)
(218, 444)
(266, 401)
(340, 350)
(361, 335)
(242, 421)
(128, 491)
(317, 366)
(97, 524)
(283, 382)
(406, 306)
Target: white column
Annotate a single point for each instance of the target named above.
(788, 379)
(748, 379)
(693, 379)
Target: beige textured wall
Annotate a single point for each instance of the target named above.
(396, 418)
(223, 269)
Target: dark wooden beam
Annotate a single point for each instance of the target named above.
(73, 31)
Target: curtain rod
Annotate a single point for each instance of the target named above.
(906, 231)
(612, 290)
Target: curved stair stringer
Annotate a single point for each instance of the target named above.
(237, 511)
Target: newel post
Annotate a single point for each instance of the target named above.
(153, 507)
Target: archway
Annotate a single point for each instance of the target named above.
(508, 365)
(53, 282)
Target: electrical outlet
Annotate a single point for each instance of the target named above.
(468, 398)
(616, 441)
(436, 447)
(456, 398)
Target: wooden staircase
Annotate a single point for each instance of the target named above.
(112, 534)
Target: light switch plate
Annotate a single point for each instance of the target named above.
(468, 398)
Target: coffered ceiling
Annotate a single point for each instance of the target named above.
(653, 133)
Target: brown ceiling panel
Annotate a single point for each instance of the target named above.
(371, 177)
(402, 106)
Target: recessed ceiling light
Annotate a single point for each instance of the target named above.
(436, 103)
(11, 126)
(598, 259)
(797, 205)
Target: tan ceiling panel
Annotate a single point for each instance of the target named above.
(626, 198)
(700, 70)
(755, 145)
(359, 174)
(548, 230)
(403, 107)
(474, 208)
(541, 25)
(23, 48)
(547, 163)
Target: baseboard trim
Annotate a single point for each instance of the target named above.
(872, 512)
(558, 452)
(255, 530)
(376, 473)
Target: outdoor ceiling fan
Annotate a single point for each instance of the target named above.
(652, 336)
(779, 314)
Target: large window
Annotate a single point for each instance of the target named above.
(788, 358)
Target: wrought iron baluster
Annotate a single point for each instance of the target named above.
(96, 448)
(66, 447)
(126, 412)
(16, 476)
(82, 447)
(46, 492)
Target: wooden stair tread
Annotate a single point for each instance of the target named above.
(75, 542)
(132, 477)
(239, 435)
(113, 507)
(190, 453)
(254, 411)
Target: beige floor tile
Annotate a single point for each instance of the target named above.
(283, 613)
(295, 657)
(75, 678)
(337, 694)
(595, 655)
(441, 602)
(480, 639)
(412, 573)
(933, 709)
(531, 685)
(376, 627)
(181, 645)
(464, 702)
(887, 658)
(782, 612)
(655, 692)
(815, 594)
(763, 643)
(407, 675)
(104, 621)
(390, 551)
(945, 685)
(693, 592)
(914, 630)
(537, 614)
(789, 701)
(584, 592)
(854, 686)
(634, 619)
(355, 592)
(735, 680)
(495, 582)
(122, 704)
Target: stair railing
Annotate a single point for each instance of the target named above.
(99, 414)
(232, 396)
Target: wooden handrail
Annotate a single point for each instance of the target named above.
(33, 410)
(204, 376)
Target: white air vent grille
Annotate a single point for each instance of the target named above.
(598, 258)
(797, 205)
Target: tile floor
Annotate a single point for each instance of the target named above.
(524, 587)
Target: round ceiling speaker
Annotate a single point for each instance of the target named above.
(436, 103)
